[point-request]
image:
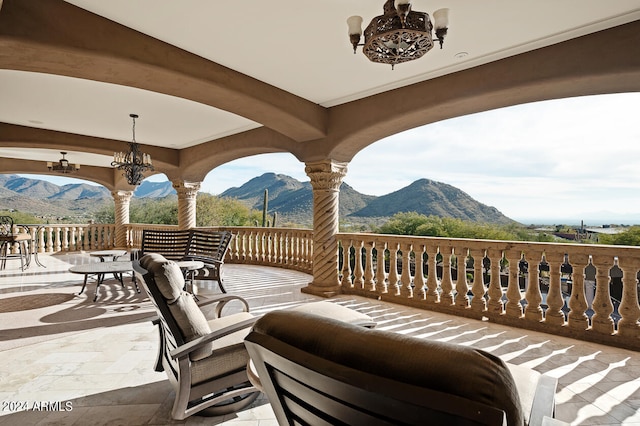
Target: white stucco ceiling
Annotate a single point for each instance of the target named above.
(301, 47)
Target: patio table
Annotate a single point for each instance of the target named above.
(100, 269)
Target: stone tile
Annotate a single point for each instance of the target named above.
(106, 372)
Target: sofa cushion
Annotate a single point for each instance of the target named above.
(445, 367)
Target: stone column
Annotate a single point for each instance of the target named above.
(187, 193)
(122, 200)
(326, 177)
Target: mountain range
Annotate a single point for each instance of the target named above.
(291, 198)
(294, 200)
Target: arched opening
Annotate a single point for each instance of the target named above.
(559, 161)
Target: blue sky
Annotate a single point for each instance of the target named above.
(555, 161)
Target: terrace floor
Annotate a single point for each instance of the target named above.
(96, 358)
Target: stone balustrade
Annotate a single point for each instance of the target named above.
(283, 247)
(589, 292)
(70, 237)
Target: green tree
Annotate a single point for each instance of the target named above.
(629, 237)
(413, 223)
(216, 211)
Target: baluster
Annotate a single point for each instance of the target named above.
(495, 303)
(358, 271)
(306, 250)
(269, 245)
(72, 239)
(286, 248)
(80, 235)
(346, 264)
(260, 247)
(447, 283)
(381, 273)
(577, 318)
(602, 306)
(405, 277)
(478, 303)
(251, 247)
(369, 282)
(297, 250)
(280, 241)
(462, 286)
(234, 247)
(419, 290)
(432, 295)
(49, 246)
(629, 310)
(392, 285)
(555, 301)
(533, 311)
(274, 247)
(57, 240)
(40, 235)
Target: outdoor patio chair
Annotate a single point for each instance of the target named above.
(204, 359)
(8, 238)
(319, 371)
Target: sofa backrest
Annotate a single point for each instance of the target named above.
(322, 371)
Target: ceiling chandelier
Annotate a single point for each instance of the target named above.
(134, 162)
(400, 34)
(63, 166)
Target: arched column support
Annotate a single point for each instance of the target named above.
(326, 177)
(187, 193)
(122, 200)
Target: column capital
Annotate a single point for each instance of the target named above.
(187, 189)
(326, 175)
(120, 196)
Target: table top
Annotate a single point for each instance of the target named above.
(106, 253)
(102, 267)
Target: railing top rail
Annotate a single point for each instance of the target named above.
(548, 247)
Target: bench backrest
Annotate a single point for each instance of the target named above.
(172, 244)
(208, 246)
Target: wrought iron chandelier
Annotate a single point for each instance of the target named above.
(63, 166)
(134, 162)
(400, 34)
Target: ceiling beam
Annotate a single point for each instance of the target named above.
(55, 37)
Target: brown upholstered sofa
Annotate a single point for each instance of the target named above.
(316, 370)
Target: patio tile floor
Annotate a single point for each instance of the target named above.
(102, 373)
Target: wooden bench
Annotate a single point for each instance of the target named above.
(209, 247)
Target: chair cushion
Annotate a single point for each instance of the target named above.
(192, 323)
(190, 319)
(459, 370)
(166, 273)
(229, 352)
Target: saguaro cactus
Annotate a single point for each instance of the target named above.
(265, 207)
